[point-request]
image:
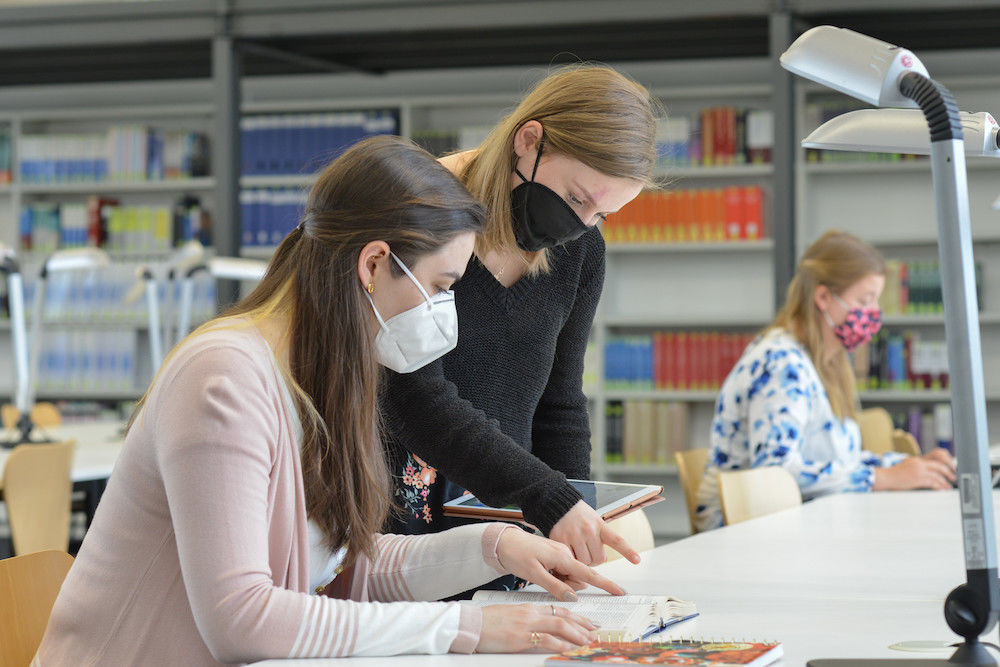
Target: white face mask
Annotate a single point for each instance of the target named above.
(417, 336)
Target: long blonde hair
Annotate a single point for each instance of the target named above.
(588, 112)
(838, 260)
(385, 189)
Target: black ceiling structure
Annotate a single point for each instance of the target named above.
(545, 43)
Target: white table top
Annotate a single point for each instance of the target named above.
(841, 577)
(98, 445)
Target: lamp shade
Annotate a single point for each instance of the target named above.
(899, 131)
(855, 64)
(237, 268)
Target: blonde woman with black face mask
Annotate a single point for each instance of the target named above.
(256, 454)
(504, 415)
(791, 399)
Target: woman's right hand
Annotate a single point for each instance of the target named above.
(934, 470)
(513, 628)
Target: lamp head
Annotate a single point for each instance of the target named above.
(855, 64)
(237, 268)
(75, 259)
(899, 131)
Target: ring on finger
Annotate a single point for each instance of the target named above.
(553, 607)
(535, 638)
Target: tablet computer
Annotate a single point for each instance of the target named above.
(610, 499)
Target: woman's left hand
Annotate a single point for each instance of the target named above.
(585, 532)
(549, 564)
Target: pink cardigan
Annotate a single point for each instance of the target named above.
(198, 553)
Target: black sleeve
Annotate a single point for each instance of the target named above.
(560, 434)
(425, 414)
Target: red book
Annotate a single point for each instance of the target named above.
(670, 360)
(683, 360)
(716, 359)
(734, 212)
(753, 207)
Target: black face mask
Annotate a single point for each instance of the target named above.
(542, 219)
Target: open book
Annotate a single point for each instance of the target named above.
(620, 617)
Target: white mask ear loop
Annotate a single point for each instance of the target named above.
(413, 278)
(377, 316)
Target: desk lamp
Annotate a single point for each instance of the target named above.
(15, 301)
(79, 259)
(220, 268)
(885, 75)
(159, 318)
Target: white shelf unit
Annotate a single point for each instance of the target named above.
(891, 205)
(14, 197)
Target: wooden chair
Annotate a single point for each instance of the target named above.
(690, 468)
(37, 488)
(635, 528)
(9, 415)
(746, 494)
(29, 585)
(42, 414)
(878, 435)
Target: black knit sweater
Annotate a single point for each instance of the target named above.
(503, 415)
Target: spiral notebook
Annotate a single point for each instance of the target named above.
(688, 652)
(621, 618)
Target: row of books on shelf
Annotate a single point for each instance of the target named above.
(930, 426)
(97, 296)
(87, 361)
(689, 215)
(716, 136)
(672, 360)
(915, 287)
(902, 361)
(298, 143)
(441, 142)
(122, 153)
(267, 215)
(646, 431)
(103, 222)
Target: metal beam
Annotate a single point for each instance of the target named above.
(301, 60)
(783, 155)
(226, 152)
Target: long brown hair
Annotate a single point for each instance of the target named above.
(838, 260)
(383, 188)
(588, 112)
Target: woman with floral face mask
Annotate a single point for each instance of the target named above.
(791, 399)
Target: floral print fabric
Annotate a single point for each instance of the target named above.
(773, 410)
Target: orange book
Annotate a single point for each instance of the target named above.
(702, 215)
(707, 137)
(669, 200)
(718, 214)
(685, 214)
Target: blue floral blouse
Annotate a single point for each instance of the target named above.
(773, 410)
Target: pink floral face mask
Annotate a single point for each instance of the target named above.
(859, 327)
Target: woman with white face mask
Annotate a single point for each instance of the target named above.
(791, 399)
(256, 454)
(504, 415)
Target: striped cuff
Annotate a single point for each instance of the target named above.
(491, 540)
(470, 626)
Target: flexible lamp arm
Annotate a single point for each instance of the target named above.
(15, 300)
(972, 608)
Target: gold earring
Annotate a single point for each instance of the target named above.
(371, 288)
